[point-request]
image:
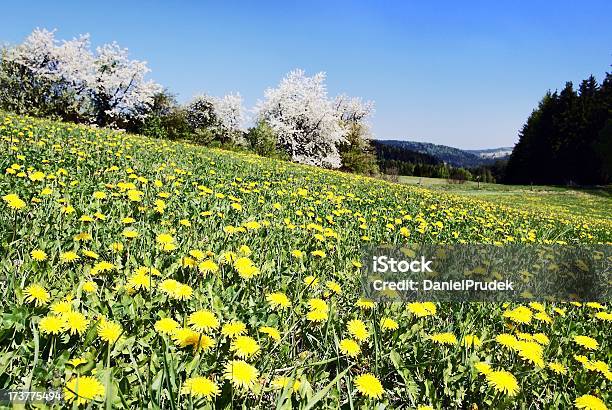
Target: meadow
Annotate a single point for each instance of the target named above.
(594, 202)
(150, 273)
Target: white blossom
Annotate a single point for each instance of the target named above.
(230, 112)
(353, 109)
(120, 83)
(108, 80)
(304, 119)
(223, 116)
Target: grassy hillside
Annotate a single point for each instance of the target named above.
(165, 275)
(589, 202)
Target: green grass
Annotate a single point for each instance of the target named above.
(103, 234)
(591, 202)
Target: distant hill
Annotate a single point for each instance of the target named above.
(391, 152)
(450, 155)
(492, 153)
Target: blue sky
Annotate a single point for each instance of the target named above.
(461, 73)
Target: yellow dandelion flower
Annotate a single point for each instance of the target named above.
(318, 304)
(68, 257)
(109, 331)
(75, 322)
(252, 225)
(589, 402)
(116, 247)
(388, 324)
(422, 309)
(168, 286)
(140, 280)
(595, 305)
(503, 382)
(358, 330)
(175, 289)
(557, 368)
(334, 287)
(537, 306)
(83, 389)
(36, 294)
(167, 247)
(520, 315)
(483, 368)
(272, 332)
(86, 218)
(37, 176)
(531, 352)
(166, 325)
(90, 254)
(541, 338)
(296, 253)
(83, 236)
(582, 359)
(233, 329)
(38, 255)
(605, 316)
(349, 347)
(506, 340)
(51, 324)
(245, 268)
(319, 254)
(311, 281)
(443, 338)
(198, 254)
(317, 316)
(76, 362)
(135, 195)
(543, 317)
(278, 300)
(62, 306)
(13, 201)
(102, 267)
(89, 286)
(241, 374)
(130, 233)
(208, 266)
(365, 304)
(200, 387)
(368, 385)
(586, 342)
(184, 337)
(203, 320)
(164, 238)
(245, 347)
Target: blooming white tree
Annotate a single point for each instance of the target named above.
(353, 109)
(304, 119)
(357, 153)
(107, 86)
(119, 88)
(221, 118)
(201, 112)
(354, 115)
(230, 112)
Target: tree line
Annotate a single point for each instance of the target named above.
(296, 120)
(567, 139)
